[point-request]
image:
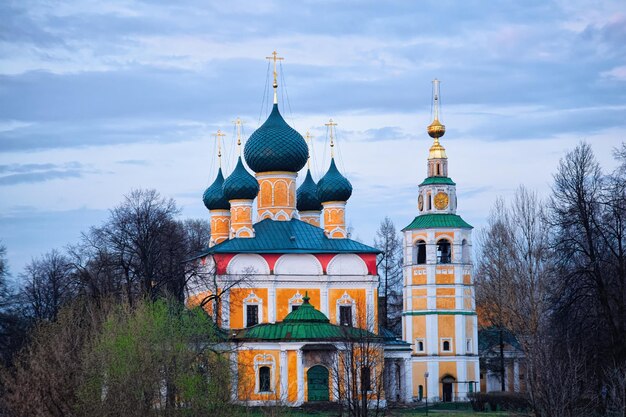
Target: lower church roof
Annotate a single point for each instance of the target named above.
(294, 236)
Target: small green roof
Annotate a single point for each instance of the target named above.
(438, 180)
(293, 236)
(306, 323)
(443, 220)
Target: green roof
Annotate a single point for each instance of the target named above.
(443, 220)
(306, 323)
(293, 236)
(438, 180)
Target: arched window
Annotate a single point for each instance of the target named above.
(446, 346)
(420, 392)
(443, 252)
(429, 204)
(465, 255)
(264, 379)
(420, 252)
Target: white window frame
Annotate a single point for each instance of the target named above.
(252, 299)
(417, 344)
(345, 300)
(446, 339)
(260, 361)
(296, 300)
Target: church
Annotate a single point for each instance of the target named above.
(298, 299)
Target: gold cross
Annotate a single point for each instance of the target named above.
(238, 125)
(275, 58)
(330, 125)
(219, 135)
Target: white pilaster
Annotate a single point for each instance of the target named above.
(433, 380)
(234, 368)
(324, 299)
(408, 380)
(515, 375)
(225, 306)
(300, 376)
(271, 304)
(369, 311)
(432, 334)
(461, 377)
(284, 376)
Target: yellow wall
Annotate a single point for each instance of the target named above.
(246, 376)
(419, 275)
(292, 377)
(284, 294)
(237, 295)
(446, 330)
(419, 369)
(447, 368)
(419, 299)
(358, 295)
(419, 328)
(445, 298)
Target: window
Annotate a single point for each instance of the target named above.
(419, 345)
(420, 392)
(264, 379)
(252, 315)
(366, 379)
(428, 202)
(345, 315)
(468, 346)
(446, 345)
(420, 249)
(443, 252)
(295, 307)
(465, 255)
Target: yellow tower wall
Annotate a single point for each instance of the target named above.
(220, 226)
(277, 195)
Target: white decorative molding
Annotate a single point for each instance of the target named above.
(241, 230)
(261, 360)
(346, 300)
(252, 299)
(347, 264)
(298, 264)
(248, 264)
(296, 300)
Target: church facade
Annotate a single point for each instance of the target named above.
(298, 299)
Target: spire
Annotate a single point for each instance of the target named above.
(238, 125)
(219, 135)
(275, 58)
(308, 138)
(330, 125)
(436, 129)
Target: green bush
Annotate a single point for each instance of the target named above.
(499, 401)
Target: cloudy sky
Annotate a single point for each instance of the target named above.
(99, 97)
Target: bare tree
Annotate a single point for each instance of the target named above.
(358, 370)
(48, 285)
(389, 266)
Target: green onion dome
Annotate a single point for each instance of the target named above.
(240, 185)
(276, 146)
(213, 197)
(333, 186)
(306, 313)
(306, 196)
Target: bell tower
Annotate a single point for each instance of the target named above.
(439, 318)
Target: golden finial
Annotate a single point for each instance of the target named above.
(238, 125)
(330, 125)
(309, 143)
(436, 129)
(275, 58)
(219, 135)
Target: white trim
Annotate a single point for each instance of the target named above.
(296, 300)
(261, 360)
(300, 377)
(345, 300)
(417, 342)
(252, 299)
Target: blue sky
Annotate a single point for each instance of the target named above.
(99, 97)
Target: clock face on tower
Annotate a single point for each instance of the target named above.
(420, 202)
(441, 200)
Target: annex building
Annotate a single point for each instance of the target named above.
(298, 299)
